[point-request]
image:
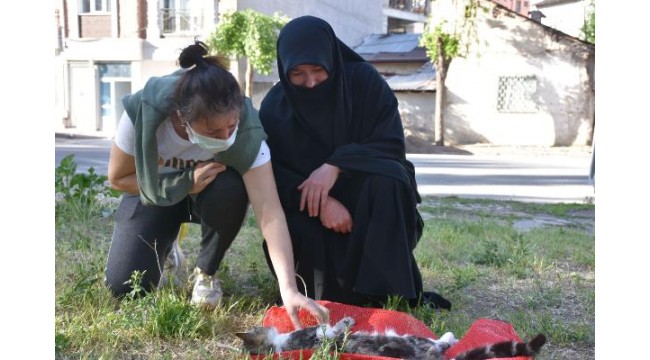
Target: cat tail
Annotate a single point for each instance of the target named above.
(505, 349)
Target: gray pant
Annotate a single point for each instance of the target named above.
(143, 235)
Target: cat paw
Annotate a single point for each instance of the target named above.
(346, 322)
(449, 338)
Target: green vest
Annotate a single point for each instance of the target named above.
(148, 108)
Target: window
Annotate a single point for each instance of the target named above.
(114, 83)
(516, 94)
(89, 6)
(180, 16)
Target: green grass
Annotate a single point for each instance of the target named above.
(540, 280)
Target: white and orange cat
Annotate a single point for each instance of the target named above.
(265, 340)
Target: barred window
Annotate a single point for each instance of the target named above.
(516, 94)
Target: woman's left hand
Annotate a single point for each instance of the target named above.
(315, 189)
(294, 301)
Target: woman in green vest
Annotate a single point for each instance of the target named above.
(190, 148)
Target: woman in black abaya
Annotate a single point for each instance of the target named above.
(347, 189)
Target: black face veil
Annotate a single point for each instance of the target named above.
(325, 108)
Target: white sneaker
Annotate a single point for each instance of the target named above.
(207, 289)
(174, 267)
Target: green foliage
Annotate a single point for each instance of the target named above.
(450, 43)
(83, 187)
(451, 33)
(589, 27)
(164, 314)
(81, 194)
(248, 34)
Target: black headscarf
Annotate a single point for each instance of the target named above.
(350, 120)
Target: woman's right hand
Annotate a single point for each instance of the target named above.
(204, 173)
(293, 301)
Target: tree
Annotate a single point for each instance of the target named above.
(449, 32)
(251, 35)
(589, 27)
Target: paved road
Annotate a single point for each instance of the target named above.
(550, 179)
(88, 152)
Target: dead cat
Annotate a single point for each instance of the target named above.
(266, 340)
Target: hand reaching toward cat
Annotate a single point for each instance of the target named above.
(293, 301)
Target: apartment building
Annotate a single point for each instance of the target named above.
(106, 49)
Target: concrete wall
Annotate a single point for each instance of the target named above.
(416, 110)
(511, 45)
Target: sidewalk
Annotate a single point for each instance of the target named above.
(509, 150)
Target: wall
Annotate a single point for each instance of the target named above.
(95, 26)
(416, 110)
(129, 11)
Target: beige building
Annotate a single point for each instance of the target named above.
(523, 83)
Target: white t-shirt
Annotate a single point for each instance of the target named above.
(174, 152)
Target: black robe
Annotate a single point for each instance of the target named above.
(352, 121)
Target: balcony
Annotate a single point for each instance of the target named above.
(406, 16)
(412, 6)
(181, 21)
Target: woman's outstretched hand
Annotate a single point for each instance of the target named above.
(294, 301)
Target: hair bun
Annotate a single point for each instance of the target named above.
(193, 55)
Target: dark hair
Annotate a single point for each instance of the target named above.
(207, 88)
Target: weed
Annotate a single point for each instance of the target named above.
(82, 195)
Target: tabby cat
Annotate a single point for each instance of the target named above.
(265, 340)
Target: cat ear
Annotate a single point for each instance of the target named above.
(242, 335)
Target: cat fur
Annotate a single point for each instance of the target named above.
(266, 340)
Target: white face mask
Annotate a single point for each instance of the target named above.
(211, 144)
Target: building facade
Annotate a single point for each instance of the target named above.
(106, 49)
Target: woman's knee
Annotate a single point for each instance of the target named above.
(383, 183)
(227, 188)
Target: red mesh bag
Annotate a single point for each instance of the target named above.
(485, 332)
(481, 332)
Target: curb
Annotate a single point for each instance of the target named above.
(72, 135)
